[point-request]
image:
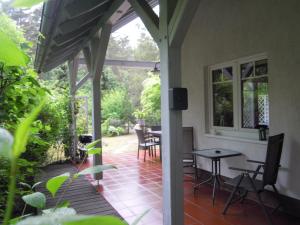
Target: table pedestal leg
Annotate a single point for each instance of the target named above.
(215, 178)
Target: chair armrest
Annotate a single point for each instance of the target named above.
(245, 170)
(255, 161)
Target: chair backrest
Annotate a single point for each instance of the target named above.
(188, 142)
(155, 128)
(273, 156)
(141, 136)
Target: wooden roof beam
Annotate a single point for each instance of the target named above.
(180, 21)
(148, 16)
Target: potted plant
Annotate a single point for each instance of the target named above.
(140, 117)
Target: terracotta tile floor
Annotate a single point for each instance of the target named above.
(137, 186)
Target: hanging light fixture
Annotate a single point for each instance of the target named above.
(156, 68)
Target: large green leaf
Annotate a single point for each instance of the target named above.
(94, 220)
(96, 169)
(55, 183)
(10, 54)
(94, 151)
(92, 145)
(37, 200)
(6, 142)
(26, 3)
(67, 217)
(23, 131)
(18, 219)
(50, 217)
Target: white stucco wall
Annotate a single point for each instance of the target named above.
(226, 30)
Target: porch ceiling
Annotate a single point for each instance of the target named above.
(68, 25)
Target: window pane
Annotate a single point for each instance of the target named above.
(227, 73)
(217, 75)
(261, 67)
(247, 70)
(255, 102)
(223, 104)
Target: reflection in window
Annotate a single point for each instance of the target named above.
(254, 90)
(223, 97)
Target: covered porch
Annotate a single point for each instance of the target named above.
(191, 46)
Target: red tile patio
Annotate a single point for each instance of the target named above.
(136, 186)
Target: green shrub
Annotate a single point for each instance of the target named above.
(150, 101)
(116, 105)
(110, 130)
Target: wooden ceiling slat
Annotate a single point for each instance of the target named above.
(79, 21)
(79, 7)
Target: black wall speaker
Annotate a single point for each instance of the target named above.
(178, 98)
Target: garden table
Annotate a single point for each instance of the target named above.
(215, 154)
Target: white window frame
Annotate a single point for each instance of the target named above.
(237, 129)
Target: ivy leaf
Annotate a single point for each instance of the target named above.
(23, 130)
(96, 169)
(6, 142)
(26, 3)
(55, 183)
(10, 54)
(94, 151)
(37, 200)
(94, 220)
(92, 145)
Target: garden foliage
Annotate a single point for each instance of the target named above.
(20, 91)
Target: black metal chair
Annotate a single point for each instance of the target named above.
(245, 183)
(189, 160)
(144, 143)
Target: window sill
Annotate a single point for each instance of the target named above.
(236, 139)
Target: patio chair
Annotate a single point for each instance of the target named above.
(188, 147)
(246, 183)
(144, 143)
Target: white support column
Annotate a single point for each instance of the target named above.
(73, 70)
(97, 54)
(170, 68)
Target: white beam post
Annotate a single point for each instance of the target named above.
(98, 47)
(172, 31)
(73, 70)
(171, 124)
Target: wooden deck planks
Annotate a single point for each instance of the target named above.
(82, 196)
